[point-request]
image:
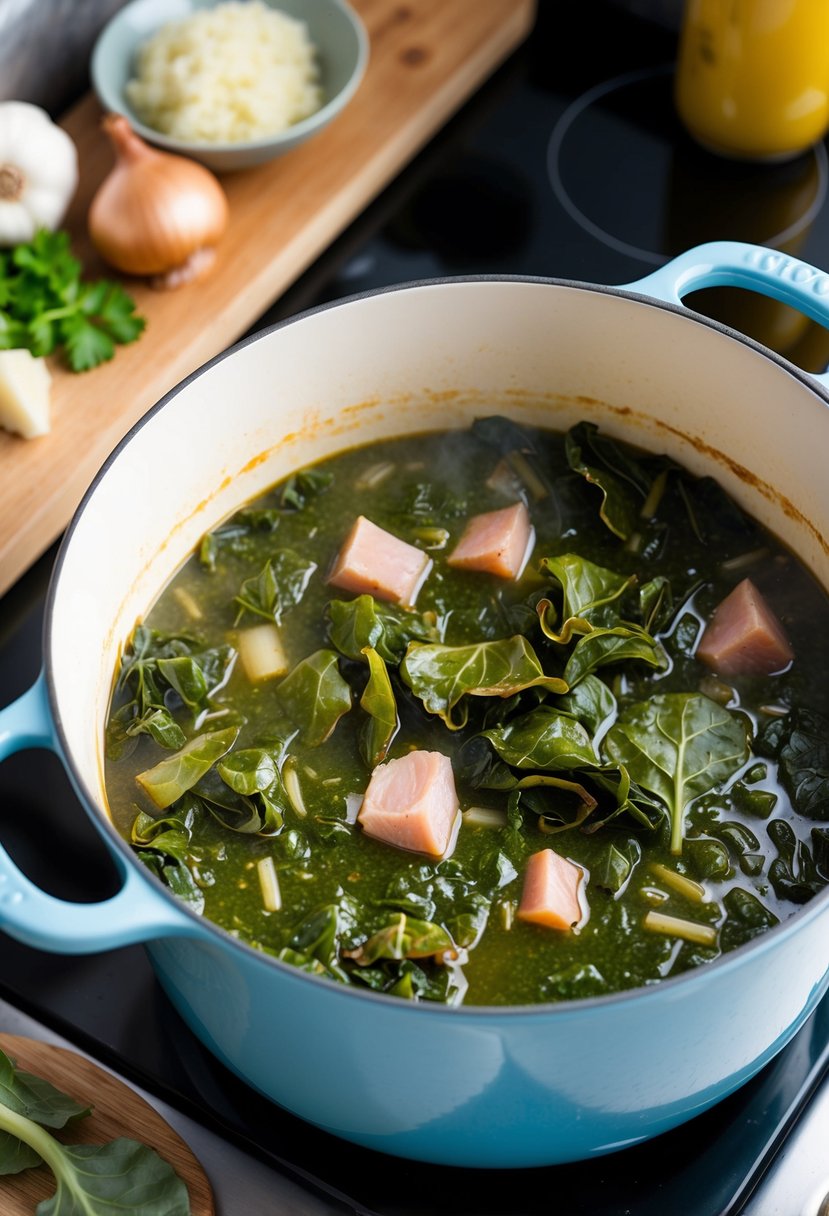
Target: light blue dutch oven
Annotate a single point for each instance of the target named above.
(470, 1086)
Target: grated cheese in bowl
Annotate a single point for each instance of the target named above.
(236, 72)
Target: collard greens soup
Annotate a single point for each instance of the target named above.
(497, 716)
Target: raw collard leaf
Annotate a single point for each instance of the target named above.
(36, 1099)
(442, 676)
(115, 1178)
(678, 746)
(315, 696)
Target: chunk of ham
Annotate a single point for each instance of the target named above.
(374, 562)
(743, 636)
(497, 542)
(550, 895)
(411, 803)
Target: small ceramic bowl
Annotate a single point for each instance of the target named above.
(333, 27)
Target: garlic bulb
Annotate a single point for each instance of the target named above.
(156, 213)
(38, 171)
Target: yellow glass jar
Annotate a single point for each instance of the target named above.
(752, 76)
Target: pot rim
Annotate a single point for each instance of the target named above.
(733, 958)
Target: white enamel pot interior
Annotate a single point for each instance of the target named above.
(481, 1087)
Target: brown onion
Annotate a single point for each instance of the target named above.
(156, 213)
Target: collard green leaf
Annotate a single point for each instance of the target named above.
(803, 757)
(793, 873)
(176, 875)
(678, 745)
(262, 813)
(656, 603)
(590, 596)
(442, 676)
(590, 701)
(301, 487)
(620, 502)
(169, 834)
(37, 1100)
(15, 1156)
(315, 696)
(327, 933)
(615, 865)
(175, 775)
(602, 647)
(569, 807)
(544, 739)
(365, 621)
(114, 1178)
(745, 918)
(404, 937)
(238, 536)
(251, 770)
(278, 587)
(91, 1179)
(155, 666)
(378, 702)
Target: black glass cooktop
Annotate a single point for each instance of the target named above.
(569, 163)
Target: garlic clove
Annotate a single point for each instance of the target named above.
(38, 171)
(15, 222)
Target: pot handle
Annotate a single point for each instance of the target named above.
(137, 913)
(737, 264)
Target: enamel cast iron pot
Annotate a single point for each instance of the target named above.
(517, 1086)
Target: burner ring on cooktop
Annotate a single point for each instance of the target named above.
(636, 131)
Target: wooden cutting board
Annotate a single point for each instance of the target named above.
(117, 1111)
(426, 58)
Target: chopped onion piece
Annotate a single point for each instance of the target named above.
(743, 560)
(374, 476)
(484, 817)
(651, 504)
(188, 603)
(676, 926)
(271, 895)
(290, 779)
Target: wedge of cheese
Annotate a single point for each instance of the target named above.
(25, 385)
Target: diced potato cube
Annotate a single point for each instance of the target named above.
(262, 653)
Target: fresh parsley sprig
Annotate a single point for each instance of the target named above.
(45, 305)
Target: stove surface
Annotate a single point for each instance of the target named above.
(570, 164)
